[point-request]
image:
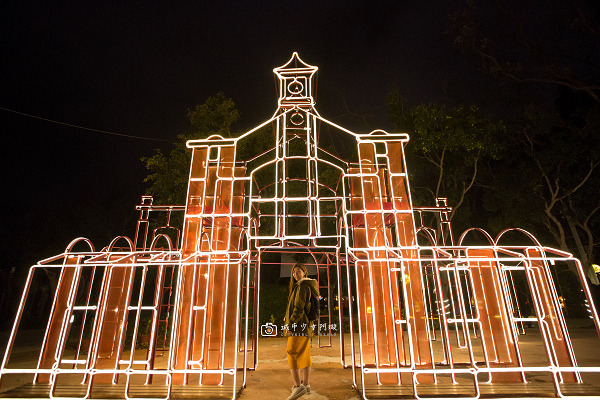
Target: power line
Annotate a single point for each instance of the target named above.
(83, 127)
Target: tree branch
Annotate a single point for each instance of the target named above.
(583, 181)
(441, 166)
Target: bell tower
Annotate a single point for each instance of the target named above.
(296, 156)
(296, 82)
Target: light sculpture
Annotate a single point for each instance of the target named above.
(425, 316)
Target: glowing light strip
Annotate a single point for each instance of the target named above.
(390, 249)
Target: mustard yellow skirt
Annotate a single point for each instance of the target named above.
(298, 352)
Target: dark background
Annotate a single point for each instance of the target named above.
(135, 68)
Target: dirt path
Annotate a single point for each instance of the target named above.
(329, 380)
(272, 379)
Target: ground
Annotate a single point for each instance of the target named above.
(329, 380)
(272, 379)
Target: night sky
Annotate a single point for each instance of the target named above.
(136, 68)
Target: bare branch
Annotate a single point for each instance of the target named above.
(591, 214)
(465, 190)
(362, 117)
(583, 181)
(584, 21)
(441, 175)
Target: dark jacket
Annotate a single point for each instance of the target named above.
(298, 306)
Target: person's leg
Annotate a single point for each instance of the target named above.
(295, 376)
(292, 356)
(299, 389)
(305, 376)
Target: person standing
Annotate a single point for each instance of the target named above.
(299, 329)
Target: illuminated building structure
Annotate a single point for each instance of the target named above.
(426, 316)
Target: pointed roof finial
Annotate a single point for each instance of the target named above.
(296, 80)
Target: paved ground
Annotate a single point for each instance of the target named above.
(272, 380)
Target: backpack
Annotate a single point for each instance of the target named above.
(315, 308)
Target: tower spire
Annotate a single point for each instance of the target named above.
(296, 83)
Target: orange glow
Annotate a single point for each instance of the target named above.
(422, 309)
